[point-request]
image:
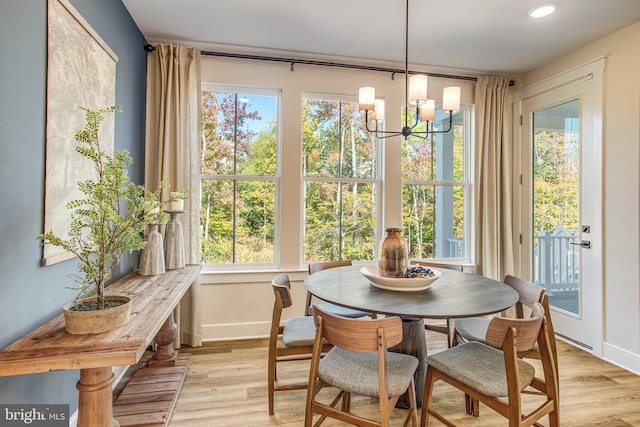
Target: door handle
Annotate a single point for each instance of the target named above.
(583, 244)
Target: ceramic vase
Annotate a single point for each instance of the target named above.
(173, 243)
(393, 255)
(152, 257)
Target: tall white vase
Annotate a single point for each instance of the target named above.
(152, 257)
(173, 243)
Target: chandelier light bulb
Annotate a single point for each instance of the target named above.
(451, 98)
(418, 89)
(428, 111)
(366, 98)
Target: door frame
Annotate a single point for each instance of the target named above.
(591, 104)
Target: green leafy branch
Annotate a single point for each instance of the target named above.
(110, 217)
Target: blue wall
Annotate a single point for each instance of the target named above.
(29, 294)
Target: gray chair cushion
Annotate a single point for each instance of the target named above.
(357, 373)
(473, 328)
(299, 331)
(343, 311)
(479, 366)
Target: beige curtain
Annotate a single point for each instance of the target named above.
(172, 153)
(493, 174)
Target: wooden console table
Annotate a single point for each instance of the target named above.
(51, 348)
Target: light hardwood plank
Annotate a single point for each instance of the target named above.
(227, 386)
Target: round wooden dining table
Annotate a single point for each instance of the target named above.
(453, 295)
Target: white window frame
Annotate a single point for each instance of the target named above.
(466, 184)
(376, 181)
(214, 87)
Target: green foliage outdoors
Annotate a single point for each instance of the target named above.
(339, 162)
(237, 215)
(110, 217)
(423, 166)
(556, 181)
(339, 178)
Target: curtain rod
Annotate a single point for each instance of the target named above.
(393, 71)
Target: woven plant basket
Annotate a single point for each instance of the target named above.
(97, 321)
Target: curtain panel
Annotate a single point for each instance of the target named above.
(172, 154)
(493, 173)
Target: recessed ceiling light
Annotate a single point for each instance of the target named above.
(543, 10)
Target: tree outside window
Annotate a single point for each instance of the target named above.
(238, 177)
(340, 184)
(434, 191)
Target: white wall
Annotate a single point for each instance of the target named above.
(621, 296)
(239, 304)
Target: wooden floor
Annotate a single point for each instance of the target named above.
(226, 386)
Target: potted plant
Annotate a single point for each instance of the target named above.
(108, 220)
(176, 200)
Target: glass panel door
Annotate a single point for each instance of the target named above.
(556, 203)
(561, 199)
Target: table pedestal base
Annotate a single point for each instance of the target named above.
(95, 399)
(414, 342)
(165, 354)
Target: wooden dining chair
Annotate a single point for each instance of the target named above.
(291, 342)
(445, 328)
(475, 328)
(489, 373)
(332, 308)
(359, 363)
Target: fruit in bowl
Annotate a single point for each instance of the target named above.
(418, 271)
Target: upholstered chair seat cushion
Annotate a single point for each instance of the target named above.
(299, 331)
(357, 372)
(473, 328)
(481, 367)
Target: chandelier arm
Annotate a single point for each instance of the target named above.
(450, 124)
(387, 134)
(378, 132)
(366, 122)
(432, 132)
(417, 121)
(421, 135)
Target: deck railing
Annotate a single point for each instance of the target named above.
(456, 247)
(556, 260)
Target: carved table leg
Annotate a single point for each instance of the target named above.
(165, 354)
(95, 399)
(414, 342)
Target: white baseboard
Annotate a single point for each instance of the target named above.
(235, 331)
(73, 419)
(622, 358)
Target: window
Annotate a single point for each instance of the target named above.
(238, 175)
(340, 181)
(435, 190)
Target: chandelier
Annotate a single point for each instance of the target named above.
(415, 91)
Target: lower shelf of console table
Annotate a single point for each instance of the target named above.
(150, 395)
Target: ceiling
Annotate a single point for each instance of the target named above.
(466, 36)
